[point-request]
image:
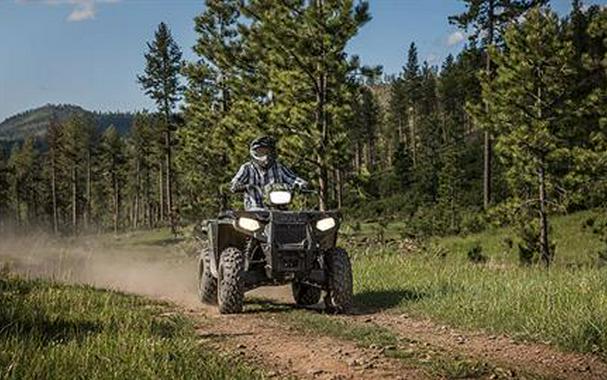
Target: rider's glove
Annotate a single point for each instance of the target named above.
(237, 187)
(301, 184)
(251, 188)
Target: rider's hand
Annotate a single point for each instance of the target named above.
(301, 185)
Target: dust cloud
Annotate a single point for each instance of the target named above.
(155, 271)
(161, 272)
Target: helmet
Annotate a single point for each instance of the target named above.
(262, 151)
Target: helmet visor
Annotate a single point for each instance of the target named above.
(262, 151)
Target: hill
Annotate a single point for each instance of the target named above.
(35, 122)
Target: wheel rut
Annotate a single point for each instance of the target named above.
(518, 357)
(285, 352)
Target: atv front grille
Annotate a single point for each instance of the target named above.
(289, 233)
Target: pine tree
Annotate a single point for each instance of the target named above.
(142, 162)
(403, 167)
(161, 82)
(411, 79)
(590, 117)
(489, 18)
(113, 160)
(75, 141)
(528, 99)
(214, 83)
(302, 46)
(25, 175)
(53, 139)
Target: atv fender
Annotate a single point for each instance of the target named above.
(221, 236)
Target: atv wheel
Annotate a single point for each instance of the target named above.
(207, 284)
(339, 297)
(231, 285)
(304, 294)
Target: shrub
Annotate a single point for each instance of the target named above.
(475, 254)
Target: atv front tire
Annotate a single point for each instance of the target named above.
(230, 281)
(339, 296)
(207, 284)
(304, 294)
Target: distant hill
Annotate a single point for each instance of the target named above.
(35, 122)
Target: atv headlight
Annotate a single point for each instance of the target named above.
(280, 197)
(248, 224)
(325, 224)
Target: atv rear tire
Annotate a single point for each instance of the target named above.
(339, 296)
(304, 294)
(230, 281)
(207, 284)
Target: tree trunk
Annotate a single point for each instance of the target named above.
(115, 186)
(545, 254)
(87, 209)
(54, 197)
(372, 152)
(487, 154)
(340, 187)
(358, 157)
(322, 184)
(321, 118)
(400, 128)
(169, 181)
(487, 151)
(74, 200)
(148, 201)
(160, 193)
(412, 133)
(137, 197)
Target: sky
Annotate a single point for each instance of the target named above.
(89, 52)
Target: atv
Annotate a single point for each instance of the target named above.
(274, 246)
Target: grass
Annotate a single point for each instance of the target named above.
(575, 245)
(566, 305)
(57, 332)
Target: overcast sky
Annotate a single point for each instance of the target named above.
(88, 52)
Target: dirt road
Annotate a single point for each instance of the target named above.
(261, 337)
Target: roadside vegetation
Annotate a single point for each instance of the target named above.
(64, 332)
(491, 289)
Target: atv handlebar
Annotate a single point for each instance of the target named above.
(294, 189)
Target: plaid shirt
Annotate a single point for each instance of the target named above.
(253, 174)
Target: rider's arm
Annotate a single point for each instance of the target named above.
(240, 181)
(287, 176)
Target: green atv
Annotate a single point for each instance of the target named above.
(274, 246)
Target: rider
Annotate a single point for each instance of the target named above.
(263, 169)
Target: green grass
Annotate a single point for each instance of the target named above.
(57, 331)
(566, 305)
(575, 246)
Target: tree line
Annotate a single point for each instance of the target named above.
(509, 131)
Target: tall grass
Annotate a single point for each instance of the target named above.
(565, 305)
(576, 245)
(62, 332)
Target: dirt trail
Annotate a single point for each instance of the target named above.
(499, 350)
(259, 337)
(286, 352)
